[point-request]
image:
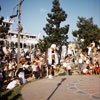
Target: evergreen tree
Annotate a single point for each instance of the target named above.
(87, 31)
(55, 34)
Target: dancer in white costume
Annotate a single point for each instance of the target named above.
(52, 59)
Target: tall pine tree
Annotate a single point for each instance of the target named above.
(87, 31)
(55, 33)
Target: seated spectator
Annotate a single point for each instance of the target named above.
(21, 76)
(13, 54)
(86, 71)
(97, 68)
(1, 78)
(13, 84)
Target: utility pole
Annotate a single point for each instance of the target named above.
(19, 23)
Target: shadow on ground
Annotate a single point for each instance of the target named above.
(58, 85)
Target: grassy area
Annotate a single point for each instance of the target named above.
(14, 94)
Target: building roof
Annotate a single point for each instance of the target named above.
(25, 34)
(8, 21)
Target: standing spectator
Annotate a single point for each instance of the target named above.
(87, 61)
(64, 52)
(80, 64)
(13, 54)
(27, 56)
(73, 48)
(99, 48)
(69, 67)
(4, 67)
(7, 54)
(23, 60)
(32, 54)
(65, 66)
(10, 69)
(22, 52)
(93, 44)
(89, 49)
(70, 49)
(34, 67)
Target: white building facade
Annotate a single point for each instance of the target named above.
(27, 41)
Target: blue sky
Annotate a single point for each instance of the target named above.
(34, 13)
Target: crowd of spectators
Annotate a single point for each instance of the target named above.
(30, 66)
(35, 66)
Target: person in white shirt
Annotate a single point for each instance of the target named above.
(21, 76)
(65, 66)
(25, 66)
(93, 44)
(63, 53)
(85, 70)
(13, 84)
(89, 49)
(70, 49)
(80, 64)
(34, 68)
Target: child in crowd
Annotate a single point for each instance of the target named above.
(97, 68)
(65, 66)
(86, 71)
(69, 67)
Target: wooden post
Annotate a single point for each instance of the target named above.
(19, 22)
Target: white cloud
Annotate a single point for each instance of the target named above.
(42, 10)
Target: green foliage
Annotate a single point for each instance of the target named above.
(3, 28)
(87, 31)
(56, 34)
